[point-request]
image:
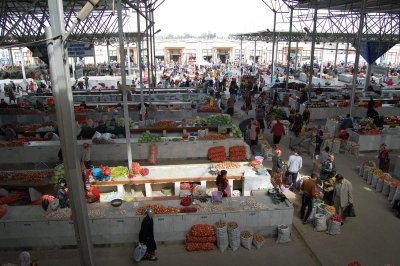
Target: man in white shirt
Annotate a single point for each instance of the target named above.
(295, 163)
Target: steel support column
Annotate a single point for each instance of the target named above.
(255, 55)
(241, 51)
(336, 52)
(289, 48)
(314, 32)
(148, 46)
(108, 52)
(322, 60)
(94, 59)
(123, 84)
(139, 50)
(368, 76)
(273, 48)
(21, 55)
(11, 56)
(296, 56)
(346, 55)
(355, 72)
(128, 54)
(59, 70)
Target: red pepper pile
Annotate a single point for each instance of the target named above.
(336, 218)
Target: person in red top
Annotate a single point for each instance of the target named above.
(92, 194)
(278, 130)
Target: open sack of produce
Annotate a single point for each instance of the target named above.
(246, 239)
(222, 235)
(258, 240)
(283, 234)
(201, 238)
(234, 235)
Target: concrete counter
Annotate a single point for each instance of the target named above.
(46, 151)
(27, 225)
(323, 113)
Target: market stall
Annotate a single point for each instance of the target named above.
(24, 225)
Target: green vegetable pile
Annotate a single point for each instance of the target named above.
(149, 137)
(119, 122)
(236, 132)
(58, 173)
(119, 172)
(279, 113)
(218, 120)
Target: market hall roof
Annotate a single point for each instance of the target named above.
(23, 21)
(372, 6)
(268, 36)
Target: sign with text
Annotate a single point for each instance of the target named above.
(380, 70)
(80, 49)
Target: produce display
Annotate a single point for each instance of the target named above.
(188, 210)
(376, 171)
(58, 172)
(232, 226)
(251, 204)
(25, 176)
(217, 154)
(165, 124)
(158, 209)
(10, 198)
(118, 122)
(185, 186)
(200, 246)
(218, 120)
(213, 136)
(336, 218)
(279, 113)
(119, 172)
(227, 165)
(136, 168)
(153, 154)
(149, 137)
(258, 238)
(186, 201)
(370, 132)
(200, 239)
(237, 153)
(220, 224)
(202, 230)
(236, 132)
(208, 109)
(318, 105)
(246, 234)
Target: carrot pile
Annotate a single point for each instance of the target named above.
(213, 136)
(217, 154)
(237, 153)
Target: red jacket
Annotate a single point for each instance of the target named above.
(96, 195)
(278, 129)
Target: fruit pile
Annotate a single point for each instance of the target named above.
(218, 120)
(213, 136)
(119, 172)
(201, 237)
(208, 109)
(370, 132)
(227, 165)
(165, 124)
(336, 218)
(217, 154)
(188, 210)
(237, 153)
(158, 209)
(149, 137)
(25, 177)
(376, 171)
(236, 132)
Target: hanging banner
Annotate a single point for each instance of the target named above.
(80, 49)
(372, 50)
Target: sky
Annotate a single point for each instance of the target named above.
(222, 17)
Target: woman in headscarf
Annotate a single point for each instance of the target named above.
(383, 157)
(222, 182)
(146, 235)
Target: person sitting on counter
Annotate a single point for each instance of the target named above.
(346, 123)
(92, 194)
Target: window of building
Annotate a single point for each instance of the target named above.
(191, 55)
(207, 52)
(113, 55)
(391, 57)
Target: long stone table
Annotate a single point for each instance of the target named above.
(27, 226)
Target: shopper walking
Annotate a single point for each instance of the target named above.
(343, 194)
(268, 116)
(306, 115)
(319, 139)
(146, 235)
(260, 114)
(231, 105)
(295, 163)
(278, 130)
(383, 158)
(277, 169)
(328, 168)
(254, 131)
(309, 191)
(297, 123)
(247, 102)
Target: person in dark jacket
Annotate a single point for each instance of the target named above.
(222, 182)
(346, 123)
(146, 235)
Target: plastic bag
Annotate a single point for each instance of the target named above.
(379, 185)
(222, 238)
(54, 205)
(320, 222)
(369, 178)
(312, 215)
(246, 242)
(139, 252)
(396, 196)
(374, 181)
(334, 227)
(153, 154)
(349, 211)
(283, 234)
(3, 210)
(234, 238)
(392, 192)
(386, 188)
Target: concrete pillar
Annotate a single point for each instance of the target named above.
(296, 56)
(346, 55)
(322, 59)
(11, 56)
(368, 76)
(273, 48)
(129, 57)
(360, 30)
(123, 84)
(289, 48)
(313, 49)
(241, 51)
(108, 52)
(62, 93)
(336, 52)
(21, 55)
